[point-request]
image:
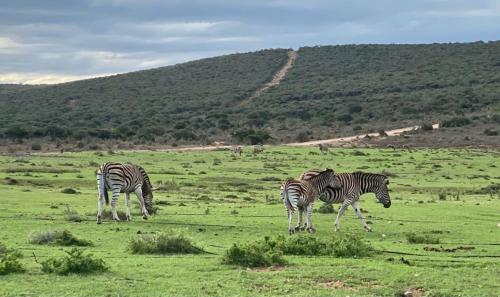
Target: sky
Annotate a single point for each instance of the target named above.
(53, 41)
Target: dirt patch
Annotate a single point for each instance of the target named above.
(412, 292)
(335, 285)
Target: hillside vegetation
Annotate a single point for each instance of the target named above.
(330, 91)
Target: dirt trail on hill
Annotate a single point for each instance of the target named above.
(350, 139)
(277, 78)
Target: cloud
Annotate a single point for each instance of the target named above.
(63, 40)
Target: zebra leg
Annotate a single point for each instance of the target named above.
(355, 206)
(310, 227)
(127, 204)
(138, 193)
(299, 226)
(341, 212)
(100, 206)
(290, 218)
(114, 199)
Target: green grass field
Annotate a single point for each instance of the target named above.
(218, 199)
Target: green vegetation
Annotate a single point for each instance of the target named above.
(57, 237)
(330, 90)
(74, 262)
(162, 243)
(9, 261)
(241, 194)
(417, 238)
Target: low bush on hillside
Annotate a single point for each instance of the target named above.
(163, 243)
(57, 237)
(416, 238)
(69, 191)
(456, 122)
(9, 261)
(74, 262)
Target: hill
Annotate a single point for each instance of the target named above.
(329, 91)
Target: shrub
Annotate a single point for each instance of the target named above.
(36, 147)
(72, 215)
(64, 238)
(456, 122)
(254, 254)
(326, 208)
(9, 263)
(217, 161)
(415, 238)
(69, 191)
(341, 246)
(168, 185)
(74, 262)
(442, 196)
(163, 243)
(490, 132)
(426, 127)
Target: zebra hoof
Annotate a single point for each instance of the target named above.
(311, 230)
(145, 217)
(298, 228)
(129, 218)
(368, 229)
(291, 231)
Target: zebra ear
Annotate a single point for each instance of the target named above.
(153, 189)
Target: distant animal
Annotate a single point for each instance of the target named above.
(353, 185)
(258, 149)
(123, 178)
(323, 148)
(237, 150)
(301, 194)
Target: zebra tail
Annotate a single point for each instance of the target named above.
(102, 186)
(286, 197)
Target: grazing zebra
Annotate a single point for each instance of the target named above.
(237, 150)
(124, 178)
(323, 148)
(353, 185)
(302, 193)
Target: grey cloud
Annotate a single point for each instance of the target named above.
(78, 38)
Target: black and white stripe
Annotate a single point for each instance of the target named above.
(123, 178)
(353, 185)
(302, 193)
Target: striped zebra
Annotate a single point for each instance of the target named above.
(302, 193)
(123, 178)
(353, 185)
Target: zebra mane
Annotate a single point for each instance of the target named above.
(369, 174)
(146, 187)
(320, 173)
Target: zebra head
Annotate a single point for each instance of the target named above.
(382, 192)
(147, 194)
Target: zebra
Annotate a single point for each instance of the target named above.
(302, 193)
(237, 150)
(353, 185)
(323, 148)
(123, 178)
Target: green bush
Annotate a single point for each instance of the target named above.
(269, 251)
(64, 238)
(74, 262)
(456, 122)
(69, 191)
(256, 254)
(415, 238)
(163, 243)
(326, 208)
(9, 263)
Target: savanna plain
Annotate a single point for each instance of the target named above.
(440, 237)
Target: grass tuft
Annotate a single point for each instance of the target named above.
(74, 262)
(9, 261)
(256, 254)
(69, 191)
(72, 215)
(57, 237)
(163, 243)
(416, 239)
